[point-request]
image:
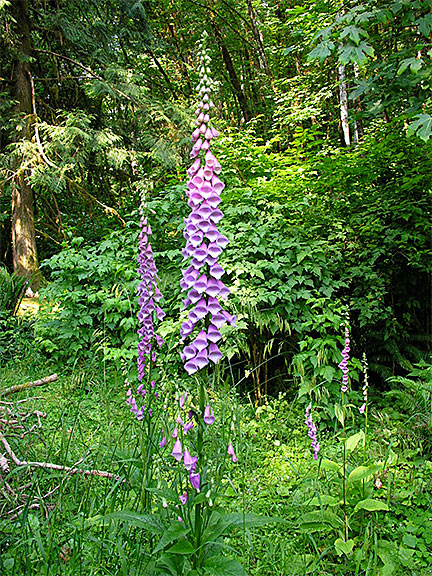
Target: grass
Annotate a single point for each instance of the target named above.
(49, 519)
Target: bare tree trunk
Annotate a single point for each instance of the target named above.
(343, 103)
(229, 64)
(358, 124)
(24, 251)
(258, 39)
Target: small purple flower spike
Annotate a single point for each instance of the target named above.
(208, 415)
(183, 498)
(362, 408)
(148, 297)
(312, 431)
(162, 442)
(344, 364)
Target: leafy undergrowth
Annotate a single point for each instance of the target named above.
(50, 519)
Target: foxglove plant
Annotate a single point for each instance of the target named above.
(186, 441)
(149, 296)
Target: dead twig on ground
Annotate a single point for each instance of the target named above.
(19, 387)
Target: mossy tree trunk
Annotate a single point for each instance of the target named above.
(24, 250)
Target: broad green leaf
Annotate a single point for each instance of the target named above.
(363, 472)
(324, 500)
(422, 127)
(322, 51)
(183, 547)
(343, 547)
(175, 531)
(353, 440)
(371, 505)
(404, 65)
(327, 464)
(317, 521)
(145, 521)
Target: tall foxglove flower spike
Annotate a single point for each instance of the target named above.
(204, 243)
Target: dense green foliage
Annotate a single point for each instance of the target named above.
(327, 212)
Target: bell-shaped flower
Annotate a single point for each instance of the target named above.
(214, 354)
(213, 334)
(194, 480)
(177, 451)
(191, 366)
(208, 415)
(232, 453)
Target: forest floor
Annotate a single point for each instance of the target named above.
(82, 420)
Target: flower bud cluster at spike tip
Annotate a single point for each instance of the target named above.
(149, 296)
(344, 364)
(312, 431)
(204, 243)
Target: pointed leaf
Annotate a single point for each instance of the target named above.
(371, 505)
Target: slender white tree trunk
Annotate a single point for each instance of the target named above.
(343, 103)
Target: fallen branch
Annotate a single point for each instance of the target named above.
(51, 466)
(19, 387)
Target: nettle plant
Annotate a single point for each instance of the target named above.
(186, 454)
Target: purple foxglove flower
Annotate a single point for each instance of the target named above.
(213, 334)
(194, 480)
(179, 420)
(214, 353)
(183, 500)
(177, 451)
(188, 461)
(362, 408)
(182, 401)
(312, 431)
(232, 453)
(162, 442)
(191, 367)
(188, 426)
(208, 415)
(175, 433)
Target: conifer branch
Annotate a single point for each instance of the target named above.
(93, 74)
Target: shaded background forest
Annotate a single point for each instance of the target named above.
(324, 111)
